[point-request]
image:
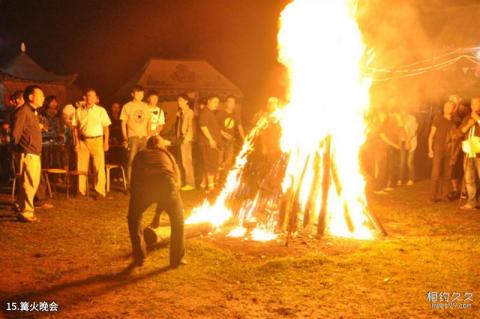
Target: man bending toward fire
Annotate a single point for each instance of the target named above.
(156, 179)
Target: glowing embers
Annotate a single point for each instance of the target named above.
(235, 205)
(250, 228)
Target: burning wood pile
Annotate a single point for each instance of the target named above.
(299, 166)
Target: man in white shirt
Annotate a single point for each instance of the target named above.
(68, 114)
(91, 132)
(136, 126)
(158, 116)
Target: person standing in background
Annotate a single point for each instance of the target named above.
(53, 122)
(8, 117)
(136, 125)
(16, 100)
(157, 115)
(230, 122)
(458, 114)
(28, 140)
(91, 131)
(439, 142)
(184, 134)
(470, 128)
(408, 145)
(211, 141)
(116, 127)
(117, 154)
(68, 118)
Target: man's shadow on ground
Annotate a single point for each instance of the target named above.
(111, 281)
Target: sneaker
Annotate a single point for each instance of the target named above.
(388, 189)
(16, 207)
(380, 192)
(467, 207)
(45, 206)
(410, 183)
(453, 196)
(187, 188)
(28, 217)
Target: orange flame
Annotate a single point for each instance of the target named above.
(218, 213)
(321, 45)
(322, 48)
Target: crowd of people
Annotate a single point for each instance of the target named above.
(204, 138)
(84, 135)
(453, 147)
(392, 144)
(36, 132)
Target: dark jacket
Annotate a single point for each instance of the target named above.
(26, 133)
(151, 167)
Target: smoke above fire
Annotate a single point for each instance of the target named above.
(405, 32)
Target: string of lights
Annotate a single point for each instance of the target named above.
(423, 66)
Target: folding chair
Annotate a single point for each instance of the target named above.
(108, 168)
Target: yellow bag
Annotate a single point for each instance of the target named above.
(471, 145)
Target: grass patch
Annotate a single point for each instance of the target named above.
(75, 254)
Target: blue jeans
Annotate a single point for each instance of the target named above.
(135, 145)
(406, 159)
(472, 174)
(160, 190)
(228, 155)
(187, 163)
(380, 159)
(392, 166)
(441, 173)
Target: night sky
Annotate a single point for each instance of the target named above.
(107, 41)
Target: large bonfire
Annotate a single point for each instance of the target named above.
(315, 176)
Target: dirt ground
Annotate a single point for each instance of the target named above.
(77, 254)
